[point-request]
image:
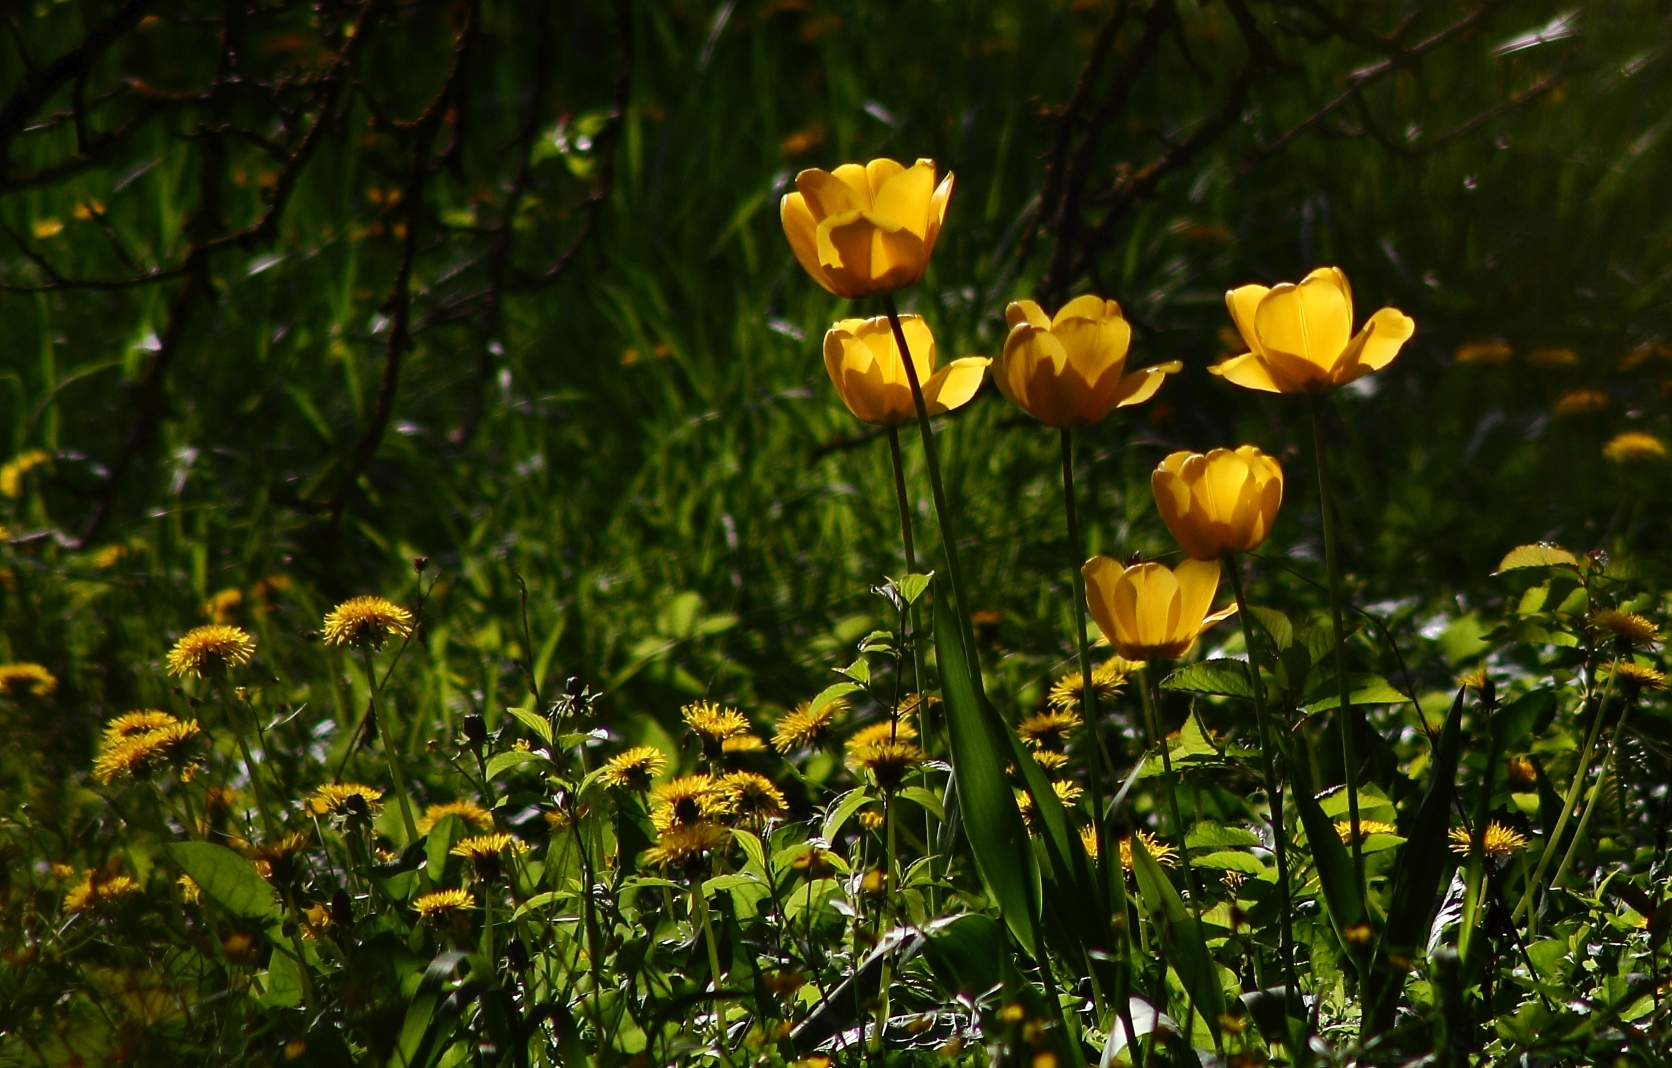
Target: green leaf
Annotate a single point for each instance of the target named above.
(1342, 899)
(859, 671)
(1276, 626)
(998, 840)
(1543, 554)
(437, 844)
(500, 763)
(540, 725)
(1181, 935)
(967, 954)
(926, 799)
(230, 881)
(912, 586)
(1193, 743)
(1515, 721)
(420, 1032)
(1367, 689)
(831, 693)
(1230, 860)
(1228, 678)
(841, 810)
(752, 848)
(1210, 835)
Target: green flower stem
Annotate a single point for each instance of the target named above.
(1348, 720)
(389, 754)
(943, 513)
(700, 899)
(1274, 788)
(1596, 793)
(1169, 780)
(487, 922)
(903, 500)
(269, 825)
(1574, 788)
(1088, 691)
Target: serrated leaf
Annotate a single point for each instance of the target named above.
(540, 725)
(1542, 554)
(1210, 835)
(1367, 689)
(1276, 625)
(230, 881)
(841, 810)
(878, 641)
(1230, 860)
(831, 693)
(926, 799)
(500, 763)
(859, 671)
(912, 586)
(1227, 678)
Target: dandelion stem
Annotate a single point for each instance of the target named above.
(1347, 721)
(701, 901)
(1596, 794)
(1088, 688)
(268, 825)
(389, 755)
(1274, 788)
(1169, 781)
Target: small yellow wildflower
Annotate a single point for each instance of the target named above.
(1628, 628)
(1634, 446)
(276, 860)
(1344, 828)
(467, 811)
(210, 650)
(332, 798)
(1499, 841)
(12, 472)
(687, 800)
(880, 732)
(887, 761)
(223, 606)
(26, 680)
(1049, 760)
(684, 846)
(131, 724)
(366, 622)
(1049, 730)
(96, 891)
(753, 797)
(1068, 693)
(484, 850)
(135, 756)
(1165, 855)
(1640, 676)
(633, 769)
(190, 892)
(442, 903)
(806, 729)
(712, 723)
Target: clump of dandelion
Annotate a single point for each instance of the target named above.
(685, 846)
(1165, 855)
(807, 728)
(887, 760)
(366, 622)
(1049, 730)
(442, 904)
(96, 891)
(484, 852)
(1498, 842)
(1634, 446)
(1344, 829)
(713, 723)
(467, 812)
(26, 680)
(1068, 694)
(753, 798)
(278, 859)
(633, 769)
(135, 756)
(1628, 629)
(1636, 677)
(332, 799)
(210, 650)
(688, 800)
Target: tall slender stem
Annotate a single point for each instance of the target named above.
(269, 825)
(1169, 780)
(390, 757)
(1088, 689)
(903, 500)
(1596, 795)
(701, 899)
(1274, 788)
(931, 457)
(1347, 720)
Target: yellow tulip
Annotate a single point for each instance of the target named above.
(1067, 370)
(865, 366)
(1300, 337)
(1223, 502)
(1149, 611)
(865, 231)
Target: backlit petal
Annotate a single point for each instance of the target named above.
(1241, 302)
(937, 213)
(827, 194)
(1141, 385)
(1248, 372)
(1086, 306)
(802, 231)
(1198, 581)
(878, 173)
(904, 198)
(955, 384)
(1026, 311)
(1313, 321)
(1376, 345)
(1102, 574)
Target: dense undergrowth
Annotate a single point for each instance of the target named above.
(651, 747)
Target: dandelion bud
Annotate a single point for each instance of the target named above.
(419, 563)
(574, 687)
(475, 731)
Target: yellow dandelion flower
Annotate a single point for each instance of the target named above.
(439, 904)
(315, 919)
(1522, 771)
(1580, 402)
(332, 798)
(686, 800)
(467, 812)
(211, 650)
(1049, 730)
(806, 729)
(96, 891)
(738, 744)
(633, 769)
(277, 859)
(1499, 841)
(484, 850)
(685, 846)
(872, 818)
(1489, 353)
(1232, 880)
(136, 756)
(366, 622)
(223, 606)
(1628, 628)
(1344, 829)
(1068, 693)
(887, 761)
(143, 721)
(1049, 760)
(62, 871)
(712, 723)
(880, 732)
(1164, 854)
(190, 892)
(1088, 839)
(1640, 676)
(1067, 792)
(910, 704)
(12, 472)
(1634, 446)
(753, 797)
(109, 556)
(26, 680)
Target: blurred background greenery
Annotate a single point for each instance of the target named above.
(297, 293)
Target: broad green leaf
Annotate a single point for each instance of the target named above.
(500, 763)
(1193, 743)
(1228, 678)
(539, 724)
(998, 840)
(1512, 723)
(1230, 860)
(1181, 935)
(831, 693)
(967, 954)
(1543, 554)
(752, 848)
(1367, 689)
(441, 838)
(859, 671)
(842, 809)
(1342, 898)
(282, 983)
(1276, 625)
(230, 881)
(418, 1035)
(925, 798)
(912, 586)
(1210, 835)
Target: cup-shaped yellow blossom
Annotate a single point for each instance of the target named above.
(1300, 337)
(864, 363)
(1218, 503)
(1069, 370)
(1148, 610)
(866, 230)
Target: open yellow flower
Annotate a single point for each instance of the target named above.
(864, 231)
(864, 364)
(1149, 611)
(1300, 337)
(1218, 503)
(1068, 370)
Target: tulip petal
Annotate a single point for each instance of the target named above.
(1096, 347)
(1312, 321)
(1248, 372)
(1242, 302)
(955, 385)
(920, 340)
(1173, 501)
(903, 199)
(878, 173)
(1086, 306)
(1198, 581)
(828, 194)
(802, 231)
(1102, 574)
(1141, 385)
(937, 213)
(1376, 344)
(1026, 311)
(1156, 605)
